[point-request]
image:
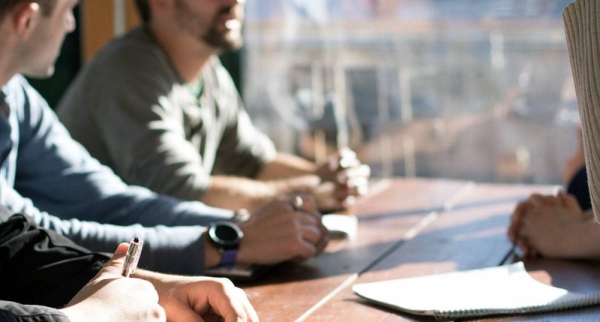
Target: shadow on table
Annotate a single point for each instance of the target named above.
(476, 243)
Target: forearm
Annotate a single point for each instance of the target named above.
(286, 166)
(234, 193)
(587, 241)
(164, 247)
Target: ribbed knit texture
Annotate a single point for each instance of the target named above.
(582, 26)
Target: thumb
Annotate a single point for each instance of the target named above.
(114, 266)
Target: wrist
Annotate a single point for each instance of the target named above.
(585, 241)
(212, 256)
(225, 237)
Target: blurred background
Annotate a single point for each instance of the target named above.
(464, 89)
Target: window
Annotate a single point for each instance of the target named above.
(465, 89)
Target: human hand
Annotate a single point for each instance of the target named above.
(516, 219)
(523, 208)
(554, 229)
(111, 297)
(186, 298)
(280, 231)
(343, 178)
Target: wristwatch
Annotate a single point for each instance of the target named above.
(226, 236)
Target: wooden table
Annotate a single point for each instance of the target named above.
(409, 227)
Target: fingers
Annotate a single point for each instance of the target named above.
(312, 229)
(243, 310)
(537, 222)
(570, 202)
(343, 165)
(343, 179)
(525, 247)
(360, 171)
(114, 266)
(344, 158)
(353, 181)
(281, 230)
(304, 203)
(515, 222)
(247, 310)
(354, 187)
(523, 242)
(523, 208)
(322, 243)
(227, 301)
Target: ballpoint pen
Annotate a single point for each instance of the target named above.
(133, 256)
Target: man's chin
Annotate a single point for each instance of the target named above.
(40, 74)
(225, 42)
(227, 46)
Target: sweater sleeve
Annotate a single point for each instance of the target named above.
(63, 188)
(61, 178)
(15, 312)
(164, 247)
(581, 29)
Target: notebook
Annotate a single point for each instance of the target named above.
(491, 291)
(339, 226)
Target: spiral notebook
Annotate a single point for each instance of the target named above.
(498, 290)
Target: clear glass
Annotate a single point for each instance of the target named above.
(464, 89)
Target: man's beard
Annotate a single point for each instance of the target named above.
(222, 41)
(226, 41)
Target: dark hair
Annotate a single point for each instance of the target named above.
(46, 6)
(143, 9)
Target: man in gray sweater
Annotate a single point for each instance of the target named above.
(157, 107)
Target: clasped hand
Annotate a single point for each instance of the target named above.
(549, 226)
(343, 178)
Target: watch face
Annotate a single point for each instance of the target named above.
(226, 235)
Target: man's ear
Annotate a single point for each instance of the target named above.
(25, 17)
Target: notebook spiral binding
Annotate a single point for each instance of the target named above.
(589, 300)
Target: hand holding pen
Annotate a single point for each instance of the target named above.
(111, 297)
(133, 256)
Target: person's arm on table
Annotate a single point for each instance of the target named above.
(555, 227)
(333, 185)
(278, 232)
(274, 233)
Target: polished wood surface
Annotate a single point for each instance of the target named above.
(393, 208)
(411, 227)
